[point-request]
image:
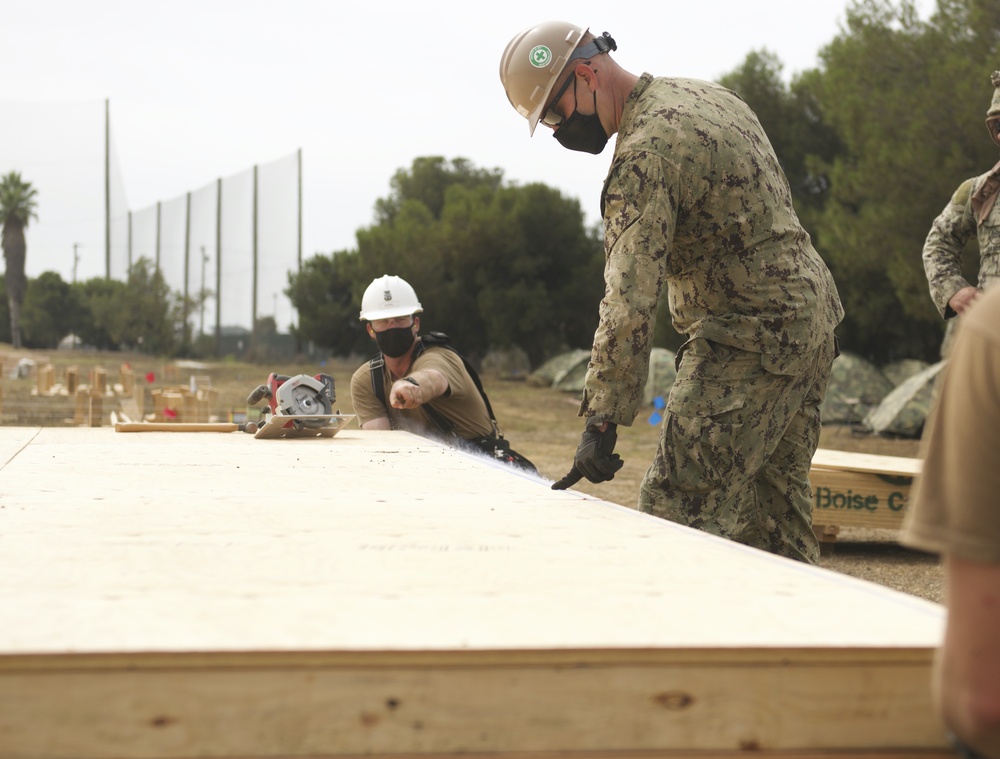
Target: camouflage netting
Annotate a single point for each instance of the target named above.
(856, 387)
(568, 371)
(904, 410)
(555, 368)
(662, 373)
(571, 381)
(900, 371)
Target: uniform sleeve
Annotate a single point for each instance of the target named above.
(640, 215)
(942, 255)
(953, 506)
(449, 365)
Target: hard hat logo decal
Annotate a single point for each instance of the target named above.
(540, 56)
(386, 295)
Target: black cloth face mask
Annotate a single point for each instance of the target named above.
(582, 133)
(395, 342)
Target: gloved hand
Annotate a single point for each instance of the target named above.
(569, 480)
(595, 458)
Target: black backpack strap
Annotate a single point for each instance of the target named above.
(376, 367)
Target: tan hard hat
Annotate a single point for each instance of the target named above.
(532, 63)
(993, 114)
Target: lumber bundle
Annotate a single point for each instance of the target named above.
(860, 490)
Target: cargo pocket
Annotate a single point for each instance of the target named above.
(703, 422)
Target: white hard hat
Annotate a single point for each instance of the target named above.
(388, 297)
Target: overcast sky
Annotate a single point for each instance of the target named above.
(206, 89)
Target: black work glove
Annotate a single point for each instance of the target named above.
(569, 480)
(595, 458)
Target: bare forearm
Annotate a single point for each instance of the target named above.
(968, 668)
(418, 388)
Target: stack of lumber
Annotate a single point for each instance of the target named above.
(860, 489)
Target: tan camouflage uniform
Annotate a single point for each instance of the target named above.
(695, 200)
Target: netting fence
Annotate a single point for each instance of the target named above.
(226, 246)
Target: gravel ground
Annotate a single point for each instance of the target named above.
(875, 555)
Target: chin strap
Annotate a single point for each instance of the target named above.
(601, 44)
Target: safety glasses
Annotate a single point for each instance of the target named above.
(380, 325)
(601, 44)
(550, 118)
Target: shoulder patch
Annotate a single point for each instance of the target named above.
(963, 193)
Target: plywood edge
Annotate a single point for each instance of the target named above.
(866, 462)
(670, 754)
(691, 710)
(700, 657)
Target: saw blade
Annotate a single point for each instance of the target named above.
(303, 396)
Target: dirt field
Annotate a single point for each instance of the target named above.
(540, 423)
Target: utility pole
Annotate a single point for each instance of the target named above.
(203, 294)
(76, 259)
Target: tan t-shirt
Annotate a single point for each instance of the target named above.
(461, 404)
(955, 507)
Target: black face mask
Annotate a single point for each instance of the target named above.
(583, 133)
(395, 342)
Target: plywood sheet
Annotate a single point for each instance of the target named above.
(185, 594)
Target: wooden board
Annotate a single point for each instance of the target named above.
(866, 462)
(301, 425)
(861, 490)
(182, 595)
(174, 426)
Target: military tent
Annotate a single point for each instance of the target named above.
(856, 387)
(904, 410)
(556, 368)
(659, 379)
(662, 374)
(571, 380)
(899, 371)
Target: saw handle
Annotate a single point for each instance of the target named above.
(259, 393)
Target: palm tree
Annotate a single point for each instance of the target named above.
(17, 208)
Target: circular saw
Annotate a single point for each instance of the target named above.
(299, 396)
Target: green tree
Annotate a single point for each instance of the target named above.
(521, 270)
(17, 208)
(4, 312)
(324, 294)
(100, 317)
(494, 265)
(795, 124)
(149, 317)
(427, 181)
(907, 99)
(51, 311)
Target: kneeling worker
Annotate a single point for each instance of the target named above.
(420, 384)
